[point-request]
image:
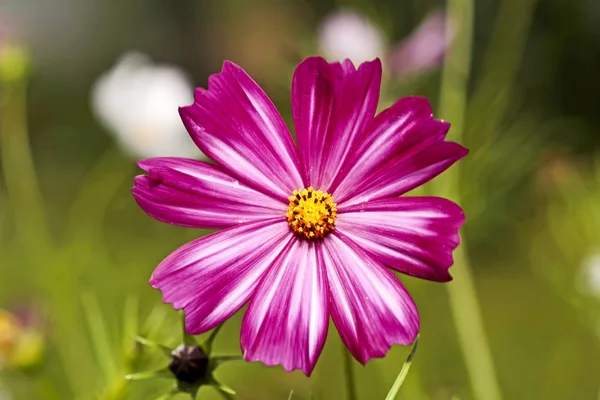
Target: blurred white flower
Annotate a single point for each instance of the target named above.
(424, 48)
(348, 34)
(590, 276)
(138, 102)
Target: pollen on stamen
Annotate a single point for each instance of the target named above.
(311, 214)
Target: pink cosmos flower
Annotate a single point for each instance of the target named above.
(308, 230)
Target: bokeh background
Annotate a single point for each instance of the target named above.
(76, 252)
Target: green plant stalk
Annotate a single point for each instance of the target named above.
(33, 232)
(463, 298)
(403, 372)
(349, 374)
(19, 172)
(495, 87)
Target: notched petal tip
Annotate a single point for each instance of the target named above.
(186, 112)
(363, 357)
(228, 64)
(198, 93)
(144, 164)
(376, 62)
(457, 150)
(306, 369)
(417, 104)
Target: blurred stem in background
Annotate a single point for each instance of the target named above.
(33, 231)
(63, 265)
(17, 162)
(495, 88)
(463, 298)
(87, 212)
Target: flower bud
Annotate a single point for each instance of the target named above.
(189, 364)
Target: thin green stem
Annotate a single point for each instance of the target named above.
(349, 373)
(463, 298)
(19, 172)
(403, 372)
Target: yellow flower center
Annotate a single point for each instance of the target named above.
(311, 214)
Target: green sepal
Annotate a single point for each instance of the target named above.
(207, 345)
(156, 373)
(153, 345)
(223, 389)
(215, 362)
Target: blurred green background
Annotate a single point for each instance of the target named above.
(79, 253)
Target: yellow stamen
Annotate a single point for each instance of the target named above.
(311, 214)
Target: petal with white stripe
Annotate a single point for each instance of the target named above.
(369, 306)
(286, 322)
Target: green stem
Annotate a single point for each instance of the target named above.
(19, 172)
(349, 373)
(495, 87)
(463, 298)
(403, 372)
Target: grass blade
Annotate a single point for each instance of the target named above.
(99, 336)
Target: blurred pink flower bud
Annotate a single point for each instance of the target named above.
(348, 34)
(424, 49)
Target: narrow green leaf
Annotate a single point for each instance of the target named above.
(291, 395)
(130, 323)
(403, 372)
(208, 343)
(223, 389)
(156, 373)
(218, 360)
(155, 321)
(99, 336)
(153, 345)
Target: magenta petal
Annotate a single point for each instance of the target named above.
(332, 104)
(413, 235)
(403, 148)
(237, 125)
(212, 277)
(200, 195)
(286, 322)
(369, 306)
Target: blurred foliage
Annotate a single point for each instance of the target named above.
(530, 187)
